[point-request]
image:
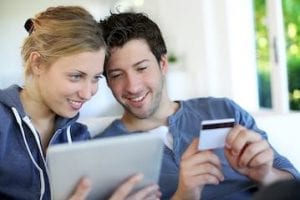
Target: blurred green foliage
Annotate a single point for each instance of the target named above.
(291, 11)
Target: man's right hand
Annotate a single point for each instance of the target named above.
(197, 168)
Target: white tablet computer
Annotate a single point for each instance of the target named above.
(108, 162)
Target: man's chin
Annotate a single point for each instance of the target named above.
(140, 115)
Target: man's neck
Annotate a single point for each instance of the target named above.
(159, 118)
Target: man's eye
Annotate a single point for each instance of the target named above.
(141, 68)
(114, 75)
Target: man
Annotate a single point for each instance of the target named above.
(135, 69)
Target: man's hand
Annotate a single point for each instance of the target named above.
(148, 193)
(123, 192)
(197, 168)
(251, 155)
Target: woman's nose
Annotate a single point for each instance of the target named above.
(88, 90)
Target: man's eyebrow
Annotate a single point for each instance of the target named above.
(140, 62)
(134, 65)
(113, 70)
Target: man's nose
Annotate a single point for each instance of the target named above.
(133, 84)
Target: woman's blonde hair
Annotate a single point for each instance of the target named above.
(61, 31)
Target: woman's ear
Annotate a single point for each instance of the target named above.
(35, 63)
(164, 65)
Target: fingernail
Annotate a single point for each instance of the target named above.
(138, 177)
(234, 153)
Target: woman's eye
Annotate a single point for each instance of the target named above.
(75, 77)
(98, 77)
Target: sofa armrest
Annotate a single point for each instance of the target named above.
(97, 124)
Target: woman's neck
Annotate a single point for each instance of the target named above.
(41, 116)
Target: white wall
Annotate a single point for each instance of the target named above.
(213, 40)
(13, 14)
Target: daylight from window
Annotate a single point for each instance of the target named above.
(292, 38)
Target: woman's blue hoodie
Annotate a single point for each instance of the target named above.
(23, 168)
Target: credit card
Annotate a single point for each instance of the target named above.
(213, 133)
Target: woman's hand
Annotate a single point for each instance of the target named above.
(82, 189)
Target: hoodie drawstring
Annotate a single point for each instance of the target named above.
(18, 118)
(69, 135)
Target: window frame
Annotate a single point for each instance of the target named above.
(278, 60)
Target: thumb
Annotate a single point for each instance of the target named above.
(126, 188)
(82, 189)
(192, 149)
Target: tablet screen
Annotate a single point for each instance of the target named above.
(108, 162)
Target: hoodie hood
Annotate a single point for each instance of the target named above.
(10, 97)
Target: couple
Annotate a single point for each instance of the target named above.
(61, 76)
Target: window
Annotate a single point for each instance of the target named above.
(278, 53)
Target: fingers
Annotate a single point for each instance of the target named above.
(82, 189)
(245, 148)
(200, 158)
(193, 157)
(147, 193)
(256, 154)
(196, 163)
(202, 163)
(239, 137)
(199, 167)
(124, 190)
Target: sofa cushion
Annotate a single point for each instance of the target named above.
(97, 124)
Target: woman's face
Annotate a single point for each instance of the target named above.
(70, 81)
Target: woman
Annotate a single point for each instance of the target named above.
(63, 60)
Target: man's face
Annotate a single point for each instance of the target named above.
(136, 78)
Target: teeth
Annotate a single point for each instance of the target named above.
(137, 98)
(76, 103)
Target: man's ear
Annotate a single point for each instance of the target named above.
(35, 63)
(164, 65)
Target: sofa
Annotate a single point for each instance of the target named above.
(283, 132)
